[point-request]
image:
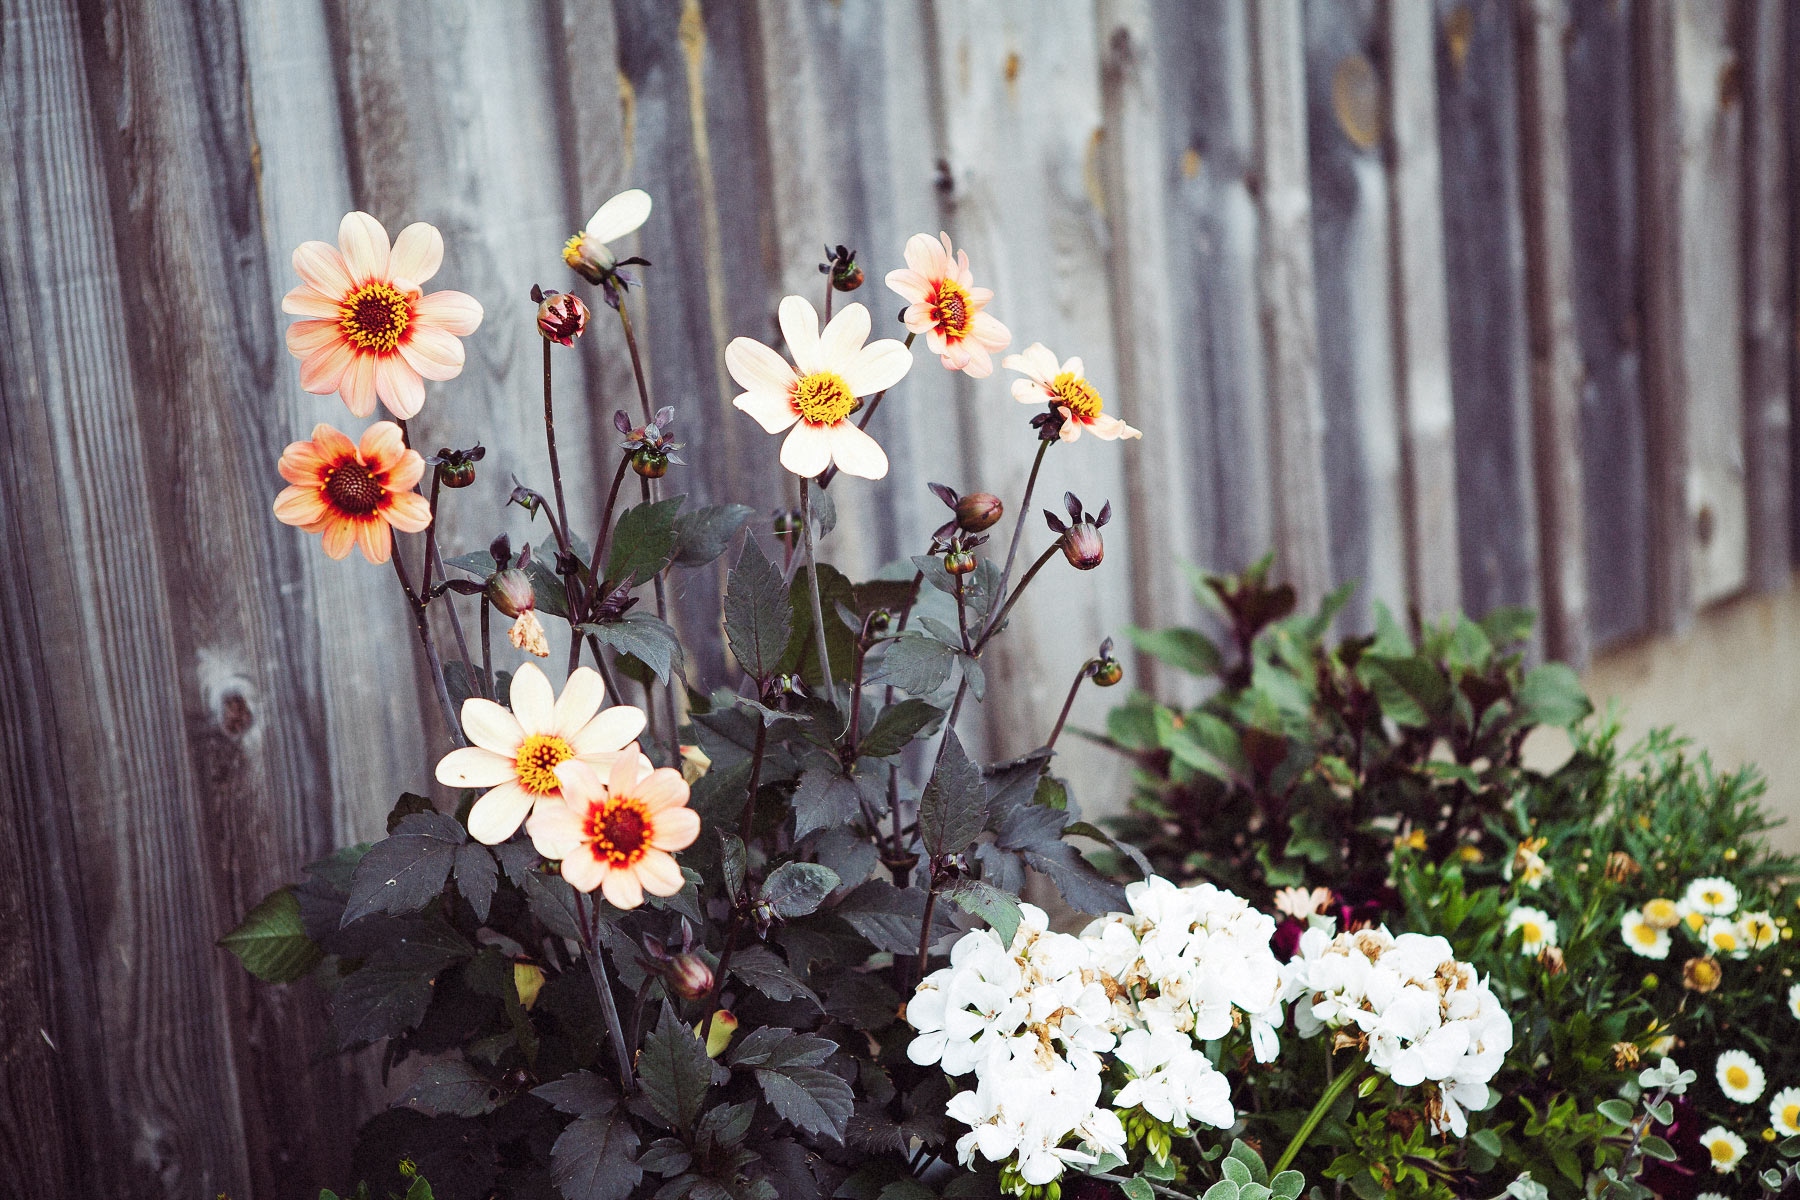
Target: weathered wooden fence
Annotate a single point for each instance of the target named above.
(1480, 301)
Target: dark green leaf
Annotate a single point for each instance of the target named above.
(988, 902)
(1412, 690)
(674, 1070)
(408, 804)
(898, 726)
(764, 971)
(388, 994)
(644, 637)
(552, 901)
(824, 800)
(775, 1047)
(271, 940)
(579, 1093)
(812, 1099)
(757, 618)
(1657, 1148)
(797, 888)
(1552, 695)
(450, 1087)
(727, 1124)
(802, 653)
(954, 806)
(477, 877)
(643, 541)
(734, 859)
(407, 871)
(916, 664)
(1186, 649)
(594, 1158)
(703, 534)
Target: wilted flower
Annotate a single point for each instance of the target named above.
(510, 591)
(353, 493)
(1073, 403)
(370, 331)
(527, 634)
(1301, 903)
(1081, 543)
(588, 253)
(1625, 1055)
(835, 368)
(1620, 866)
(561, 316)
(618, 834)
(945, 307)
(1527, 864)
(1701, 974)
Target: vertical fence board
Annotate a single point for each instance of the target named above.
(1768, 296)
(1485, 268)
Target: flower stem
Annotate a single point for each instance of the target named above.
(1328, 1098)
(1012, 551)
(604, 541)
(431, 655)
(637, 363)
(434, 559)
(487, 650)
(1000, 617)
(589, 925)
(746, 822)
(925, 930)
(1062, 717)
(562, 509)
(812, 587)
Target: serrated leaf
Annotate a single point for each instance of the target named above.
(552, 901)
(915, 664)
(271, 940)
(825, 799)
(405, 872)
(450, 1087)
(477, 877)
(775, 1047)
(988, 902)
(702, 534)
(954, 807)
(643, 636)
(643, 541)
(758, 620)
(579, 1093)
(886, 916)
(733, 863)
(593, 1159)
(812, 1099)
(674, 1070)
(764, 971)
(388, 994)
(898, 726)
(797, 888)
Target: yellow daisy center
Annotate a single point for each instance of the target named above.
(1737, 1077)
(1661, 913)
(1725, 940)
(1076, 394)
(1720, 1150)
(1713, 896)
(537, 760)
(352, 489)
(1532, 931)
(572, 248)
(1790, 1116)
(375, 316)
(951, 311)
(823, 398)
(1645, 934)
(617, 830)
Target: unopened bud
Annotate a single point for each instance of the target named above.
(562, 317)
(651, 464)
(527, 634)
(694, 763)
(1107, 672)
(510, 592)
(528, 980)
(959, 562)
(719, 1036)
(688, 976)
(1082, 546)
(978, 511)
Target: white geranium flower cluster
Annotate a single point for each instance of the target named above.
(1422, 1015)
(1033, 1020)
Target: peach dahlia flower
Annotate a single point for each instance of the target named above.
(370, 331)
(1065, 389)
(353, 493)
(515, 754)
(617, 834)
(835, 368)
(944, 306)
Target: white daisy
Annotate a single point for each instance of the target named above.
(1725, 1148)
(1645, 939)
(1758, 930)
(1713, 896)
(1536, 927)
(1740, 1077)
(1794, 1000)
(1784, 1111)
(1723, 938)
(1662, 913)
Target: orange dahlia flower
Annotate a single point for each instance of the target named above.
(370, 331)
(353, 492)
(944, 306)
(619, 834)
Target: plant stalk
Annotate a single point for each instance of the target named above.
(1328, 1098)
(422, 622)
(1062, 717)
(1012, 551)
(812, 587)
(589, 923)
(994, 625)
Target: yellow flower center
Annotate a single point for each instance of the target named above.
(1076, 394)
(1695, 920)
(617, 830)
(1720, 1151)
(572, 248)
(1532, 931)
(823, 398)
(1725, 940)
(1790, 1116)
(1737, 1077)
(1645, 934)
(537, 760)
(950, 311)
(375, 316)
(1661, 913)
(352, 489)
(1713, 897)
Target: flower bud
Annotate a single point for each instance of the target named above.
(694, 763)
(724, 1024)
(1107, 672)
(1702, 975)
(840, 264)
(959, 562)
(688, 976)
(978, 511)
(527, 634)
(1082, 546)
(562, 317)
(651, 464)
(510, 592)
(528, 980)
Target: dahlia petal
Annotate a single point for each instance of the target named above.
(909, 284)
(774, 413)
(580, 700)
(533, 700)
(433, 353)
(622, 889)
(956, 356)
(474, 767)
(922, 253)
(985, 330)
(300, 463)
(322, 267)
(807, 450)
(300, 505)
(1074, 367)
(399, 386)
(664, 787)
(610, 732)
(499, 813)
(323, 372)
(1071, 428)
(337, 536)
(659, 875)
(917, 317)
(879, 366)
(936, 342)
(418, 253)
(856, 453)
(375, 538)
(959, 271)
(581, 785)
(332, 444)
(365, 246)
(406, 472)
(844, 336)
(1025, 391)
(979, 296)
(622, 775)
(306, 338)
(757, 368)
(453, 312)
(358, 385)
(800, 327)
(980, 364)
(408, 512)
(381, 445)
(555, 829)
(583, 871)
(491, 727)
(621, 215)
(676, 829)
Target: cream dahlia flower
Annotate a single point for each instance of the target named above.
(1064, 388)
(945, 307)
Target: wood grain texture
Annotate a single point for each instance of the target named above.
(1607, 286)
(1477, 72)
(1550, 313)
